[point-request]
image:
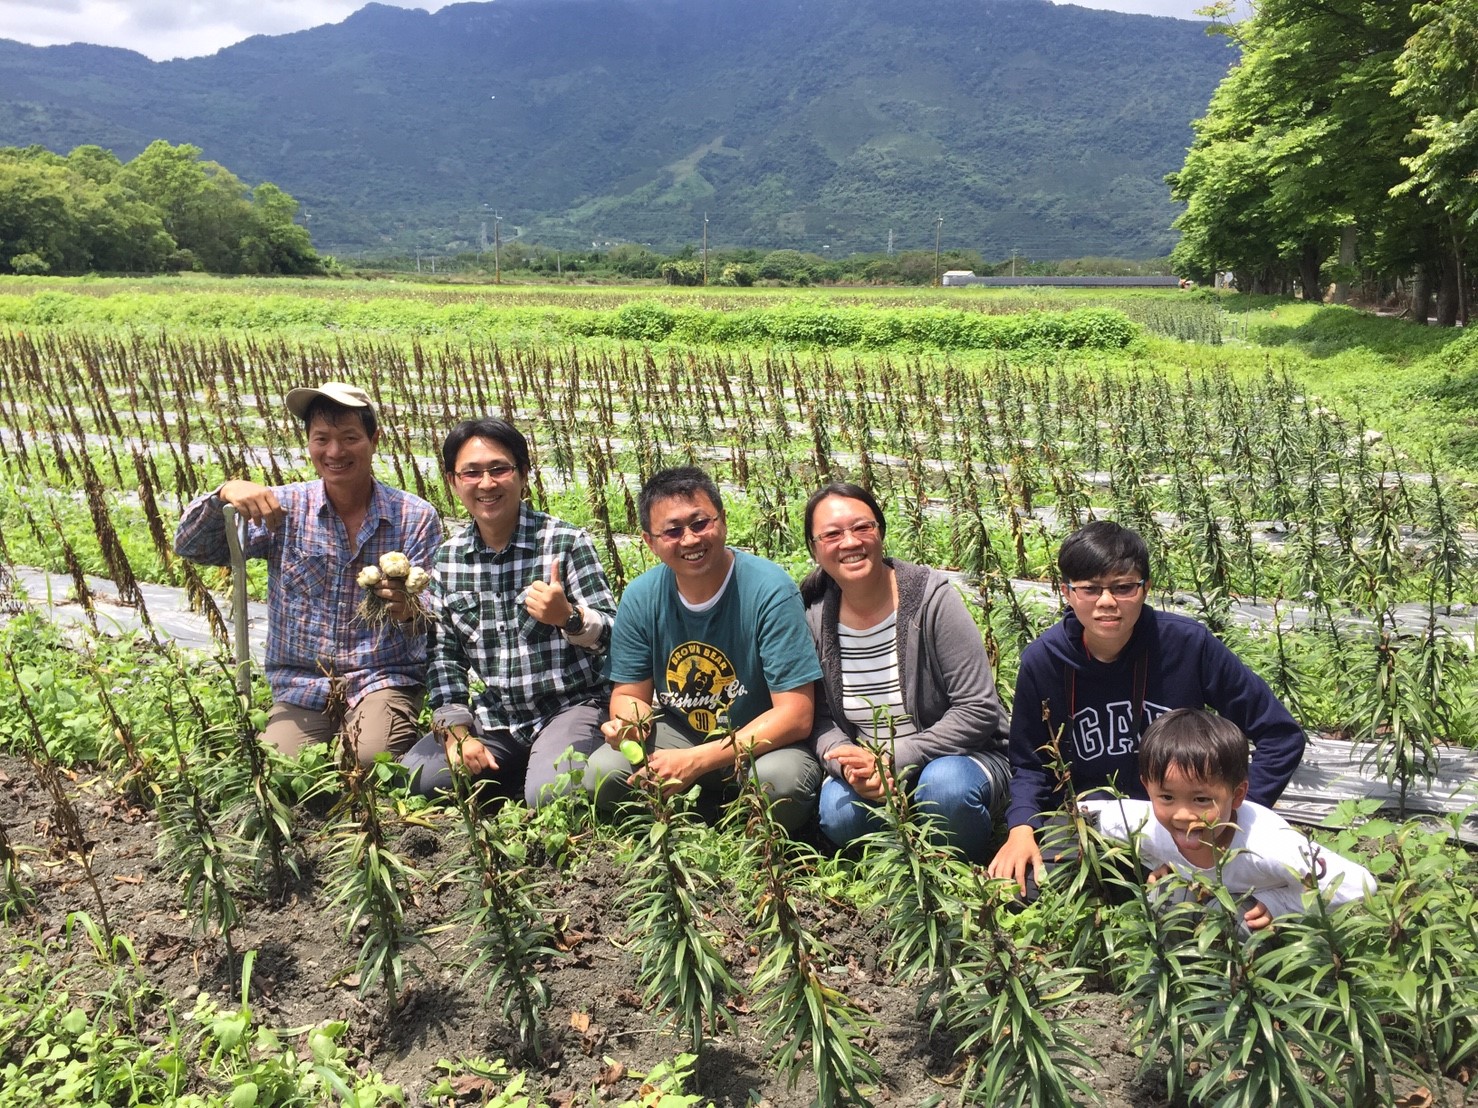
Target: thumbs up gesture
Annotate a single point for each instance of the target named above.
(546, 600)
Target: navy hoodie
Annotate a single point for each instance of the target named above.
(1169, 662)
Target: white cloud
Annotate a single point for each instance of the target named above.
(164, 29)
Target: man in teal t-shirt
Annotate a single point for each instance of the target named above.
(714, 642)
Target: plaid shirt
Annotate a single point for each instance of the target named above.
(529, 670)
(312, 631)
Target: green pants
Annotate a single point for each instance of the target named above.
(791, 777)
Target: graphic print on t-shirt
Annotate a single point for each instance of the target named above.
(1110, 730)
(702, 685)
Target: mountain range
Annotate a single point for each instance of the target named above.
(836, 125)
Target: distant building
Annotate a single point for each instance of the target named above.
(958, 277)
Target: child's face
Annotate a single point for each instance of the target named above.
(1197, 812)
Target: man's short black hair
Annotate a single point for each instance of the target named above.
(1101, 548)
(500, 431)
(1200, 744)
(334, 413)
(684, 482)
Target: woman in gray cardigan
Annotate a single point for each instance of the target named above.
(904, 671)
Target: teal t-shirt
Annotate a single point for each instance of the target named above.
(714, 669)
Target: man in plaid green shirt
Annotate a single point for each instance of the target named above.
(522, 603)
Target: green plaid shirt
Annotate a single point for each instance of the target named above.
(529, 670)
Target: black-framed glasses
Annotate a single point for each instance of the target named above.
(863, 529)
(1121, 590)
(474, 474)
(697, 526)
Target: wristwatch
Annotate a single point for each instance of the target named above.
(576, 623)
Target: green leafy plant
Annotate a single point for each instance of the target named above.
(809, 1026)
(682, 970)
(509, 919)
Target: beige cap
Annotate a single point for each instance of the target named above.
(351, 396)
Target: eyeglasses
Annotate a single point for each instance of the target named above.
(472, 475)
(675, 532)
(1121, 590)
(863, 530)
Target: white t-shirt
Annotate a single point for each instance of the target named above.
(1268, 859)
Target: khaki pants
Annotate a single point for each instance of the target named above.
(384, 720)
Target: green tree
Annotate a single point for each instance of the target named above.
(37, 220)
(1299, 157)
(1438, 79)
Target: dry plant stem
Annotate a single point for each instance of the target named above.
(63, 811)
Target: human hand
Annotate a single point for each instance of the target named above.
(1017, 855)
(546, 600)
(1158, 874)
(462, 749)
(864, 771)
(677, 770)
(257, 503)
(397, 600)
(1257, 917)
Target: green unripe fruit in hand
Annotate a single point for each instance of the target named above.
(632, 751)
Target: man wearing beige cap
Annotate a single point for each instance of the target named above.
(329, 671)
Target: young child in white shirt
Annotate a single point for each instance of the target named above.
(1194, 767)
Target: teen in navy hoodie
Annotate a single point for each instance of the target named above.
(1098, 678)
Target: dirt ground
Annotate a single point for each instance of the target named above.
(597, 1009)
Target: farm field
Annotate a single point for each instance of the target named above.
(1315, 460)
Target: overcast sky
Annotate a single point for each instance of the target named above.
(186, 28)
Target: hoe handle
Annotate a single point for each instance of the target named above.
(234, 531)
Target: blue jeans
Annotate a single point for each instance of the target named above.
(954, 791)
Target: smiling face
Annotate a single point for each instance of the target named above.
(1107, 620)
(492, 502)
(699, 561)
(341, 453)
(1197, 812)
(847, 556)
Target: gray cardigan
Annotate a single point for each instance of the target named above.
(948, 688)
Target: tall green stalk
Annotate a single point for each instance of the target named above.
(508, 915)
(808, 1025)
(682, 971)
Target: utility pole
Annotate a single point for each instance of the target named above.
(705, 248)
(1013, 261)
(890, 242)
(497, 249)
(938, 227)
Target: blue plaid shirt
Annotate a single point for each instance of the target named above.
(530, 671)
(312, 632)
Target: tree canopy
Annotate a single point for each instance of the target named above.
(164, 210)
(1345, 140)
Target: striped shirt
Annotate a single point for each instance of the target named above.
(529, 670)
(312, 631)
(872, 691)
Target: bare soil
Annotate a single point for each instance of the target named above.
(604, 1034)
